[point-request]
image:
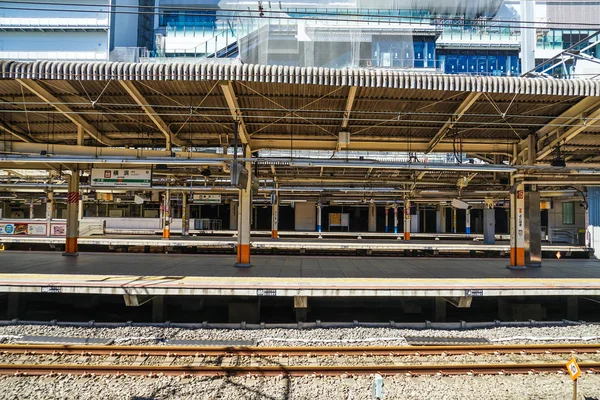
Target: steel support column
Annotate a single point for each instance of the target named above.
(406, 219)
(454, 220)
(275, 216)
(167, 215)
(387, 228)
(49, 212)
(319, 217)
(245, 219)
(72, 214)
(533, 231)
(489, 223)
(31, 210)
(395, 218)
(468, 221)
(185, 215)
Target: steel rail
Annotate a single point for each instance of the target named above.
(287, 351)
(281, 370)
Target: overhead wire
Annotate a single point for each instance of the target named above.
(210, 11)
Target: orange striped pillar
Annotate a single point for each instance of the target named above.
(244, 219)
(274, 215)
(72, 214)
(406, 219)
(167, 215)
(517, 228)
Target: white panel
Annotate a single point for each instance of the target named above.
(306, 216)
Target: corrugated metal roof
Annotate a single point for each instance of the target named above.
(392, 79)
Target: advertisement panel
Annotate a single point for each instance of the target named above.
(36, 229)
(121, 177)
(7, 229)
(58, 230)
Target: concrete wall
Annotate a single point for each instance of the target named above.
(306, 216)
(555, 217)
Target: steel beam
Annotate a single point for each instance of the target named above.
(234, 107)
(555, 128)
(585, 121)
(150, 112)
(380, 145)
(348, 109)
(460, 111)
(65, 110)
(16, 132)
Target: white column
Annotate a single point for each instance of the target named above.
(372, 217)
(438, 219)
(395, 218)
(31, 208)
(319, 217)
(468, 221)
(387, 228)
(49, 212)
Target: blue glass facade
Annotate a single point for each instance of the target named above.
(480, 62)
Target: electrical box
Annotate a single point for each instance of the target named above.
(239, 175)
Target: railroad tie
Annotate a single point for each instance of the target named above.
(139, 360)
(50, 360)
(109, 361)
(167, 361)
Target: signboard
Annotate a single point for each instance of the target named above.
(339, 219)
(207, 198)
(121, 177)
(573, 369)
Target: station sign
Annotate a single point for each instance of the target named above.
(104, 177)
(207, 198)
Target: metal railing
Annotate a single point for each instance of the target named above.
(563, 235)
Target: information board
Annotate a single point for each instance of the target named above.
(121, 177)
(339, 219)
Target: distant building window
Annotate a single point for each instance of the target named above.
(568, 213)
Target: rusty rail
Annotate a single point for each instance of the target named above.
(300, 351)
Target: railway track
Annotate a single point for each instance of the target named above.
(294, 361)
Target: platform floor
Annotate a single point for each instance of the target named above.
(177, 274)
(294, 244)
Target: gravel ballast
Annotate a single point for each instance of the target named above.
(309, 337)
(518, 387)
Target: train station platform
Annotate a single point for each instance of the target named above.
(202, 275)
(300, 245)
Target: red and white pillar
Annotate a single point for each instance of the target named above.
(244, 219)
(73, 196)
(167, 215)
(517, 228)
(275, 215)
(406, 219)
